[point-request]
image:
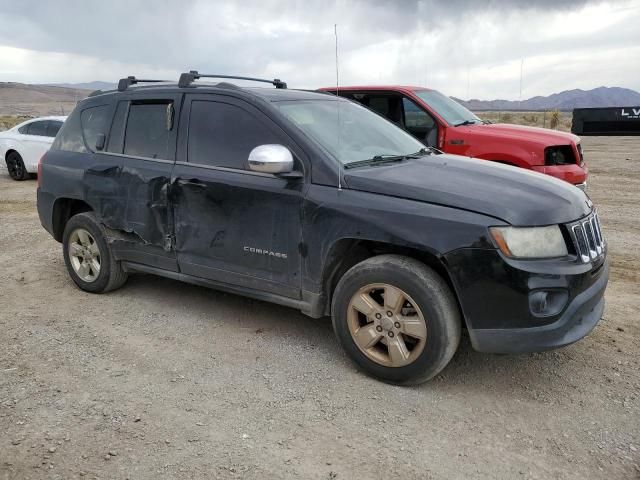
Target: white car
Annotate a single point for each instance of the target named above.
(22, 146)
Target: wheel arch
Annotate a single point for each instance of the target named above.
(63, 210)
(347, 252)
(10, 150)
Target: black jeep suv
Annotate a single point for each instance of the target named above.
(312, 201)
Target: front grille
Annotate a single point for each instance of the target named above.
(588, 239)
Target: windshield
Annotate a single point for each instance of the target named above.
(450, 110)
(359, 135)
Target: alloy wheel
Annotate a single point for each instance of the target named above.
(84, 255)
(14, 165)
(387, 325)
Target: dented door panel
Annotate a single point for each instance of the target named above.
(238, 228)
(132, 192)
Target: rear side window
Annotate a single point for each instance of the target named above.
(70, 137)
(53, 127)
(116, 136)
(38, 128)
(148, 130)
(94, 121)
(222, 135)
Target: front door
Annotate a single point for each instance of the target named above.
(233, 225)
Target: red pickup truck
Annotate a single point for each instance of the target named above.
(438, 121)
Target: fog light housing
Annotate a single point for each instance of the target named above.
(546, 303)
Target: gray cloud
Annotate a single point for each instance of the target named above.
(400, 41)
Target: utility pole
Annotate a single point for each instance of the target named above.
(468, 82)
(520, 98)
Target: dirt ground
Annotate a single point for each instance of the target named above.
(167, 380)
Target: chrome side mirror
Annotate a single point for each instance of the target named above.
(271, 159)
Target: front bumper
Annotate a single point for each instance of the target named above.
(572, 173)
(495, 296)
(577, 321)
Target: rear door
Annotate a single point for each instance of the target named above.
(134, 190)
(233, 225)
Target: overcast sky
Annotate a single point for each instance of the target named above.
(469, 49)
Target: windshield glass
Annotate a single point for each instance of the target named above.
(359, 134)
(450, 110)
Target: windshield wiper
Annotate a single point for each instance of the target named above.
(466, 122)
(387, 158)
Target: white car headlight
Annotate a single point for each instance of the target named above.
(530, 242)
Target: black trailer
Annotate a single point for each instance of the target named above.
(619, 121)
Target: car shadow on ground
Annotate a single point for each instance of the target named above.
(468, 371)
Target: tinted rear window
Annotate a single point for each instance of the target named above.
(53, 127)
(147, 134)
(38, 128)
(116, 135)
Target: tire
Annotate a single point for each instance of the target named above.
(16, 167)
(425, 319)
(83, 235)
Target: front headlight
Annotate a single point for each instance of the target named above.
(530, 242)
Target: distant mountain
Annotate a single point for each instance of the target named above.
(95, 85)
(567, 100)
(38, 100)
(61, 98)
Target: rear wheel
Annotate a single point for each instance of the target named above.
(396, 318)
(88, 257)
(16, 167)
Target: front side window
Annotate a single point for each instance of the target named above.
(223, 135)
(148, 131)
(450, 110)
(416, 117)
(94, 121)
(38, 128)
(348, 131)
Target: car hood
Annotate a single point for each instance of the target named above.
(519, 133)
(517, 196)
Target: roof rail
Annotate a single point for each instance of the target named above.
(125, 83)
(187, 79)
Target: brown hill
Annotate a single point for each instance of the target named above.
(38, 100)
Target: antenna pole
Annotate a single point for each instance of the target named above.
(520, 98)
(335, 32)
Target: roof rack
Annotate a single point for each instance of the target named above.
(187, 79)
(125, 83)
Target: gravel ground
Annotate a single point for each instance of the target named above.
(168, 380)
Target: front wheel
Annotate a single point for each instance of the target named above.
(396, 318)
